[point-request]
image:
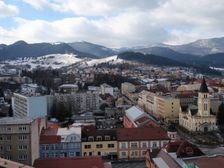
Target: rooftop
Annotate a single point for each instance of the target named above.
(79, 162)
(204, 87)
(11, 164)
(207, 161)
(145, 133)
(15, 120)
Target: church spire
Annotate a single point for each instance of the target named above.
(204, 87)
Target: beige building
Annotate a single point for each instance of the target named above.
(127, 87)
(19, 139)
(162, 106)
(198, 118)
(167, 108)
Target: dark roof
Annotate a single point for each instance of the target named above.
(79, 162)
(145, 133)
(92, 131)
(208, 162)
(203, 88)
(184, 149)
(184, 108)
(194, 111)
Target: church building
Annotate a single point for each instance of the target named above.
(198, 118)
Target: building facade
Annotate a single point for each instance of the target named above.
(99, 142)
(25, 105)
(60, 142)
(19, 139)
(134, 142)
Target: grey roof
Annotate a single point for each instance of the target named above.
(134, 113)
(15, 120)
(204, 87)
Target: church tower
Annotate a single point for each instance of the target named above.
(203, 100)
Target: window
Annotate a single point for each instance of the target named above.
(154, 144)
(22, 137)
(8, 138)
(123, 145)
(134, 145)
(22, 157)
(1, 148)
(123, 153)
(134, 153)
(107, 138)
(8, 129)
(9, 148)
(22, 147)
(71, 154)
(98, 153)
(90, 153)
(144, 145)
(90, 138)
(87, 146)
(99, 145)
(99, 138)
(1, 138)
(22, 128)
(110, 145)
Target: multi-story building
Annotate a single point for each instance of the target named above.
(99, 142)
(167, 108)
(29, 105)
(77, 102)
(199, 118)
(60, 142)
(19, 139)
(146, 101)
(134, 142)
(127, 88)
(107, 89)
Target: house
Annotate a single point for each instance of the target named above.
(60, 142)
(133, 142)
(99, 142)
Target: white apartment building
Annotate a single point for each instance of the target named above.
(26, 105)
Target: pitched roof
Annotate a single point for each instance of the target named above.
(204, 87)
(76, 162)
(145, 133)
(48, 139)
(208, 162)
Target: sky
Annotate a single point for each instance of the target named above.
(113, 23)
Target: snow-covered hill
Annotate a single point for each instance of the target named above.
(56, 61)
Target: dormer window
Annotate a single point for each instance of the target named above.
(107, 138)
(99, 138)
(90, 138)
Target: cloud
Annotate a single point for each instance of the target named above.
(94, 7)
(119, 23)
(7, 10)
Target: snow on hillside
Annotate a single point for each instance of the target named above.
(57, 61)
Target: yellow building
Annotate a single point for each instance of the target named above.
(198, 118)
(167, 108)
(99, 142)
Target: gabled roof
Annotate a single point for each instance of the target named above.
(145, 133)
(79, 162)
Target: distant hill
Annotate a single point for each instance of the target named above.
(163, 61)
(23, 49)
(94, 49)
(200, 47)
(149, 59)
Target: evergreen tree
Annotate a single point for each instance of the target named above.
(220, 116)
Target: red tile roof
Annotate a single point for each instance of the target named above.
(76, 162)
(49, 139)
(184, 149)
(208, 162)
(132, 134)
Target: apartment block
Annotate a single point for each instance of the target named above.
(29, 105)
(19, 139)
